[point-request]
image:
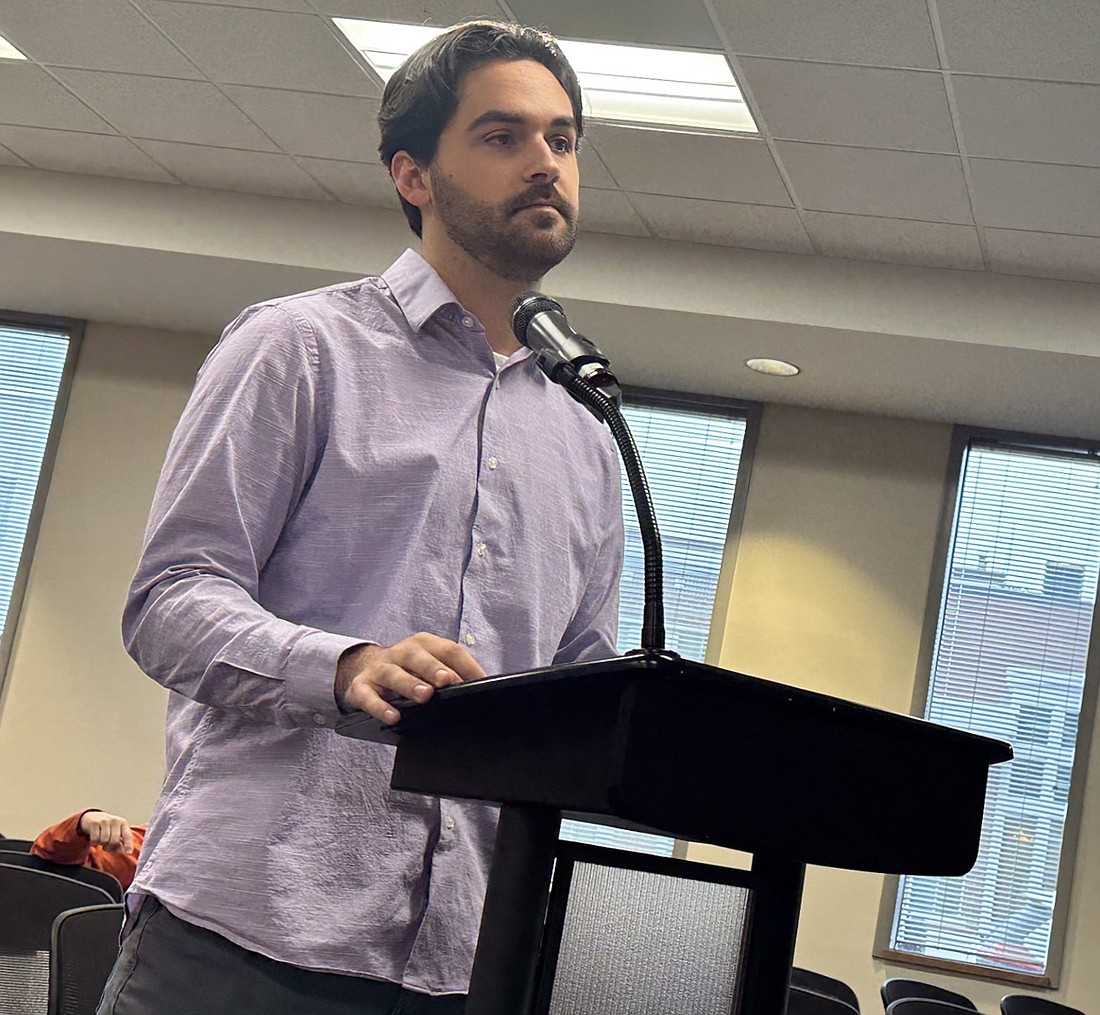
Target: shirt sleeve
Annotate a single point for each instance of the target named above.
(593, 630)
(237, 465)
(64, 842)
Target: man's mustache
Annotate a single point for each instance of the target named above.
(545, 195)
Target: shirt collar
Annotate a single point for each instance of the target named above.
(418, 289)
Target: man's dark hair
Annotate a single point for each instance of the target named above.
(421, 96)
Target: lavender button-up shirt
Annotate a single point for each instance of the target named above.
(352, 466)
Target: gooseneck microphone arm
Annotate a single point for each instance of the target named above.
(565, 357)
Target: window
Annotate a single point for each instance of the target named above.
(35, 366)
(1010, 660)
(692, 452)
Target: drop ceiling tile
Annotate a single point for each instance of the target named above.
(1046, 255)
(226, 169)
(890, 33)
(757, 227)
(1031, 196)
(305, 123)
(862, 238)
(851, 105)
(66, 151)
(687, 25)
(166, 110)
(96, 34)
(870, 181)
(609, 211)
(1040, 121)
(709, 166)
(235, 45)
(593, 172)
(1054, 39)
(353, 182)
(9, 158)
(34, 99)
(442, 13)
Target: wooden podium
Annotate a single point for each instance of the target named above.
(687, 750)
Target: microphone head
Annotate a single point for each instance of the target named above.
(525, 306)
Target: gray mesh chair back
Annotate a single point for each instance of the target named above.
(802, 1001)
(74, 872)
(807, 979)
(899, 989)
(1029, 1004)
(30, 901)
(83, 952)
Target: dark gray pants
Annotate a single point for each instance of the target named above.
(170, 967)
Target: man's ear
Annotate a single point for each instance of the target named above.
(413, 182)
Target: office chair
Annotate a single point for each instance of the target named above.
(74, 872)
(807, 979)
(1029, 1004)
(16, 845)
(926, 1006)
(898, 989)
(802, 1001)
(30, 901)
(84, 946)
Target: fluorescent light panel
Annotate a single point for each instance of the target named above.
(8, 51)
(632, 84)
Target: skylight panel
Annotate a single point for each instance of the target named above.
(626, 84)
(8, 51)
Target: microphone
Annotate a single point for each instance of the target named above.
(539, 323)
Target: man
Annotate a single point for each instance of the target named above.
(373, 493)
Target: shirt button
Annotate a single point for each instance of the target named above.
(318, 719)
(468, 321)
(492, 463)
(448, 822)
(481, 549)
(470, 639)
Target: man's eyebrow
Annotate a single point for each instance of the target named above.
(505, 116)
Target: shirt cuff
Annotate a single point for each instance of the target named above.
(310, 674)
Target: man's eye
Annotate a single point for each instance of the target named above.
(499, 139)
(562, 144)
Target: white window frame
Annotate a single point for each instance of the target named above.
(74, 331)
(962, 439)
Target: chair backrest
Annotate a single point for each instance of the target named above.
(822, 984)
(30, 901)
(803, 1001)
(898, 989)
(925, 1006)
(16, 845)
(1029, 1004)
(83, 952)
(74, 872)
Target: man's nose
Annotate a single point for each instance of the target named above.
(543, 166)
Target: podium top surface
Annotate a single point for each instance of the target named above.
(706, 754)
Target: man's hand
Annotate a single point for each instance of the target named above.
(108, 830)
(369, 677)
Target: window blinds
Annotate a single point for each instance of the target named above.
(1009, 662)
(31, 365)
(691, 458)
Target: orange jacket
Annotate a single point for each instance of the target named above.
(65, 843)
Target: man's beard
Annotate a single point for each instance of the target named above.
(495, 236)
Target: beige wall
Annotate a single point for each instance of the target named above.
(828, 593)
(80, 725)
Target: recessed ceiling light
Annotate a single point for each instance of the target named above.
(631, 84)
(774, 367)
(8, 51)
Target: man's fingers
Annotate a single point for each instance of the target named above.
(451, 655)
